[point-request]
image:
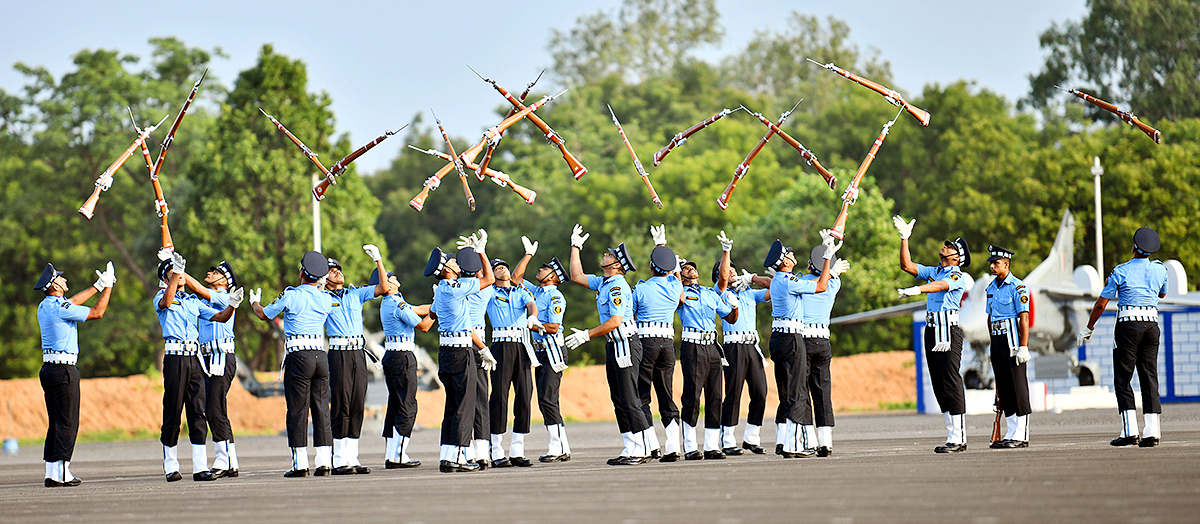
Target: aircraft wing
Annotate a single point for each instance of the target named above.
(881, 313)
(1076, 293)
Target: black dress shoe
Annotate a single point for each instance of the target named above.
(630, 461)
(502, 463)
(361, 470)
(804, 453)
(51, 483)
(480, 465)
(735, 451)
(656, 454)
(554, 458)
(1148, 442)
(73, 482)
(1124, 441)
(231, 473)
(755, 448)
(203, 476)
(693, 455)
(399, 465)
(999, 444)
(174, 476)
(321, 471)
(824, 451)
(296, 473)
(950, 448)
(520, 462)
(1011, 444)
(220, 473)
(613, 461)
(713, 454)
(343, 470)
(779, 449)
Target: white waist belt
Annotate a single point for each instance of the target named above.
(626, 330)
(741, 337)
(1007, 328)
(655, 330)
(399, 344)
(1137, 314)
(460, 339)
(303, 343)
(787, 325)
(942, 318)
(549, 341)
(347, 343)
(697, 336)
(508, 334)
(171, 347)
(55, 357)
(816, 331)
(224, 345)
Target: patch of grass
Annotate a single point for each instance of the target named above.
(907, 405)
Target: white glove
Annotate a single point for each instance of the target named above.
(770, 272)
(905, 228)
(165, 254)
(178, 264)
(741, 282)
(577, 338)
(102, 278)
(726, 244)
(830, 246)
(486, 360)
(733, 301)
(321, 281)
(941, 347)
(530, 247)
(235, 297)
(826, 235)
(534, 325)
(1022, 355)
(678, 264)
(839, 267)
(373, 252)
(578, 237)
(466, 242)
(659, 234)
(481, 240)
(1085, 334)
(909, 291)
(256, 296)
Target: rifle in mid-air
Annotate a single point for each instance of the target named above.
(337, 169)
(1127, 116)
(636, 163)
(462, 175)
(500, 178)
(809, 157)
(491, 147)
(742, 168)
(682, 136)
(105, 180)
(891, 95)
(303, 148)
(160, 201)
(851, 194)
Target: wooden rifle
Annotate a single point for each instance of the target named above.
(636, 163)
(742, 168)
(337, 169)
(500, 178)
(491, 147)
(809, 157)
(160, 201)
(891, 95)
(996, 424)
(682, 136)
(851, 194)
(462, 175)
(1127, 116)
(104, 181)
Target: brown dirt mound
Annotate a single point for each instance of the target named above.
(860, 382)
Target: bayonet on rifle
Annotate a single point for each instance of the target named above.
(462, 175)
(851, 195)
(742, 168)
(499, 177)
(104, 181)
(636, 163)
(682, 136)
(491, 148)
(338, 168)
(891, 95)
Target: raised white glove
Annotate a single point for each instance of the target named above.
(466, 242)
(321, 282)
(909, 291)
(839, 267)
(741, 282)
(530, 247)
(373, 252)
(578, 237)
(905, 228)
(165, 254)
(235, 297)
(678, 264)
(105, 278)
(733, 301)
(1022, 355)
(178, 264)
(486, 360)
(481, 240)
(1084, 335)
(577, 338)
(826, 235)
(256, 296)
(534, 325)
(659, 234)
(831, 244)
(726, 244)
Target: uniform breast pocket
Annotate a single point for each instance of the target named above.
(1005, 302)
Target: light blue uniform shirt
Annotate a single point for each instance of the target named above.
(450, 303)
(1007, 299)
(209, 330)
(747, 316)
(1138, 282)
(613, 297)
(506, 308)
(399, 319)
(550, 305)
(698, 306)
(345, 319)
(786, 289)
(656, 299)
(305, 309)
(59, 319)
(180, 320)
(818, 306)
(948, 300)
(477, 304)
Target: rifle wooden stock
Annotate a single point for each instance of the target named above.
(1126, 116)
(166, 144)
(491, 149)
(577, 168)
(418, 202)
(637, 164)
(105, 179)
(304, 149)
(160, 202)
(996, 423)
(851, 195)
(682, 137)
(891, 95)
(337, 169)
(462, 175)
(742, 168)
(804, 152)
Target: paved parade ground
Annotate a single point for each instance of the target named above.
(883, 470)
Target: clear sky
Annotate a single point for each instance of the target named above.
(383, 61)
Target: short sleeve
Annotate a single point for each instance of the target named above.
(205, 311)
(528, 286)
(1115, 279)
(924, 272)
(365, 293)
(594, 282)
(723, 307)
(955, 280)
(1162, 290)
(798, 286)
(558, 306)
(404, 313)
(75, 313)
(760, 295)
(462, 287)
(1022, 299)
(277, 306)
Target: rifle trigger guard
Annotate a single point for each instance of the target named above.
(741, 170)
(161, 207)
(433, 182)
(501, 179)
(850, 196)
(104, 182)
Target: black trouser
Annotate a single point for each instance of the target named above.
(458, 372)
(745, 367)
(482, 428)
(306, 388)
(820, 355)
(400, 376)
(183, 387)
(512, 367)
(347, 392)
(548, 382)
(60, 382)
(216, 388)
(622, 387)
(1012, 384)
(1137, 347)
(944, 372)
(791, 370)
(701, 374)
(657, 372)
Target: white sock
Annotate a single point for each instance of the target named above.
(1010, 422)
(170, 459)
(825, 436)
(482, 451)
(50, 468)
(351, 451)
(627, 439)
(1152, 428)
(781, 433)
(949, 426)
(299, 458)
(671, 437)
(554, 447)
(497, 446)
(221, 462)
(468, 451)
(1022, 431)
(446, 452)
(728, 437)
(958, 433)
(403, 451)
(562, 438)
(199, 458)
(233, 460)
(751, 435)
(689, 438)
(809, 441)
(712, 439)
(339, 453)
(1129, 423)
(324, 456)
(789, 436)
(66, 471)
(641, 443)
(391, 447)
(652, 439)
(516, 448)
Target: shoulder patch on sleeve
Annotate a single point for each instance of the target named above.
(1024, 299)
(954, 276)
(557, 310)
(66, 304)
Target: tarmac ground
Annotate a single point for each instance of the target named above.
(883, 470)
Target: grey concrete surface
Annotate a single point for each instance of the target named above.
(883, 470)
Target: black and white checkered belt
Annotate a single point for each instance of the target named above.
(1007, 328)
(656, 330)
(787, 325)
(173, 347)
(942, 318)
(699, 336)
(816, 331)
(741, 337)
(347, 343)
(455, 339)
(295, 343)
(224, 345)
(59, 357)
(1137, 314)
(399, 344)
(508, 334)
